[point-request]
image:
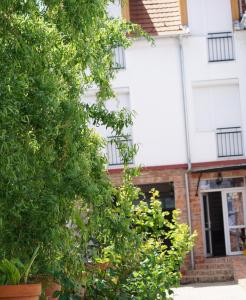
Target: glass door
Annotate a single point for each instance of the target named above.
(207, 225)
(234, 216)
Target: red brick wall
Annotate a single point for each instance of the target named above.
(177, 176)
(161, 176)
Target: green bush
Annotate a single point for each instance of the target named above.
(144, 262)
(50, 158)
(55, 194)
(14, 271)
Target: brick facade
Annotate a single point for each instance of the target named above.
(225, 268)
(162, 176)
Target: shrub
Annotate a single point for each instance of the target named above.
(144, 262)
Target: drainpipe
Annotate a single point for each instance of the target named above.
(187, 140)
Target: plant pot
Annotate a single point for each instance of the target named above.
(244, 251)
(50, 289)
(20, 292)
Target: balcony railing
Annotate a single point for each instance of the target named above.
(113, 151)
(229, 142)
(119, 58)
(220, 47)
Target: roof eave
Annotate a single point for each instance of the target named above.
(219, 168)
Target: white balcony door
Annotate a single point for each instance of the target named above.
(234, 220)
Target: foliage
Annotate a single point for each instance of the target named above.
(50, 160)
(14, 271)
(10, 271)
(54, 190)
(143, 261)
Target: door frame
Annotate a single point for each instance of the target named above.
(225, 216)
(204, 225)
(223, 192)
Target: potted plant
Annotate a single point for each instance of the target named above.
(50, 288)
(15, 280)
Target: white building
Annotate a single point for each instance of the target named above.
(189, 94)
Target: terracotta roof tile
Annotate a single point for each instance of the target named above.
(157, 17)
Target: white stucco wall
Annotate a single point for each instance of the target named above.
(151, 82)
(153, 77)
(241, 69)
(114, 9)
(199, 72)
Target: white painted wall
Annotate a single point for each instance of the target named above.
(153, 75)
(218, 85)
(152, 79)
(114, 9)
(240, 38)
(151, 83)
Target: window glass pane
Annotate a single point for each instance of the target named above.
(235, 208)
(166, 194)
(237, 238)
(207, 242)
(205, 209)
(221, 183)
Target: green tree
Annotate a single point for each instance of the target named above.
(51, 51)
(55, 194)
(143, 262)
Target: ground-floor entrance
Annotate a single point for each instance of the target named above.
(224, 220)
(214, 224)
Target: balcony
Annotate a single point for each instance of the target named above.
(229, 142)
(119, 58)
(220, 47)
(113, 150)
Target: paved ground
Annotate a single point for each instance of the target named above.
(214, 291)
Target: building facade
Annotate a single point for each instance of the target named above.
(189, 95)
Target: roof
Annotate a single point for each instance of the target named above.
(157, 17)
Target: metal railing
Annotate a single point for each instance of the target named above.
(113, 152)
(229, 142)
(119, 58)
(220, 47)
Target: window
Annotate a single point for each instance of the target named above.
(225, 183)
(119, 58)
(166, 197)
(209, 16)
(217, 105)
(113, 149)
(220, 47)
(120, 102)
(166, 194)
